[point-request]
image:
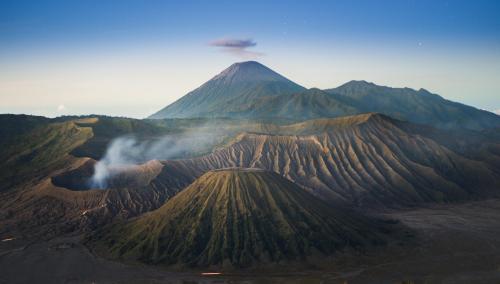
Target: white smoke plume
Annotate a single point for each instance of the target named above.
(126, 151)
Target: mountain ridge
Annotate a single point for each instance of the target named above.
(251, 90)
(366, 161)
(419, 106)
(370, 160)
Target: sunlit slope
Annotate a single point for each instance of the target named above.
(367, 160)
(239, 217)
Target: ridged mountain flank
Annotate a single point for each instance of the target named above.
(367, 160)
(239, 217)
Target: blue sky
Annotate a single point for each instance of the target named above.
(131, 58)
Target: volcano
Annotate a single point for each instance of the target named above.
(230, 93)
(250, 90)
(237, 217)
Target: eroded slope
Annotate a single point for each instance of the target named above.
(239, 217)
(367, 160)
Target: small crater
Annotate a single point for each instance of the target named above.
(77, 179)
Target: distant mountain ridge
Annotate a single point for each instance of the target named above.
(251, 90)
(420, 106)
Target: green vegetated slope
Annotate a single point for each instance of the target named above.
(34, 153)
(13, 125)
(239, 217)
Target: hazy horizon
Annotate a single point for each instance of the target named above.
(132, 58)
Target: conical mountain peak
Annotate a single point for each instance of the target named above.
(244, 217)
(249, 71)
(224, 95)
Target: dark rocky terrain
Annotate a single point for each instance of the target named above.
(458, 243)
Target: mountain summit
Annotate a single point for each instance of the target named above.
(230, 92)
(249, 71)
(253, 91)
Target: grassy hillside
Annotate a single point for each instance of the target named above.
(36, 153)
(14, 125)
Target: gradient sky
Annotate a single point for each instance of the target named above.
(131, 58)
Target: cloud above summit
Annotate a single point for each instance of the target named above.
(234, 43)
(237, 47)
